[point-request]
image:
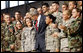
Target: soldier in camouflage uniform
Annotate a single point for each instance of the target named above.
(52, 43)
(28, 37)
(75, 38)
(18, 36)
(62, 35)
(9, 37)
(56, 12)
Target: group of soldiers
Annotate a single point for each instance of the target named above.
(62, 34)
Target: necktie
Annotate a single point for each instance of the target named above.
(36, 25)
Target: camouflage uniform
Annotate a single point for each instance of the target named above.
(58, 17)
(9, 37)
(18, 40)
(2, 37)
(51, 42)
(28, 39)
(75, 39)
(63, 36)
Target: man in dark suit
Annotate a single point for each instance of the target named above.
(40, 32)
(40, 35)
(40, 29)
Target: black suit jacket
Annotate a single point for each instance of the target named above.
(40, 35)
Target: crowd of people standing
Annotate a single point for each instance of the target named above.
(43, 29)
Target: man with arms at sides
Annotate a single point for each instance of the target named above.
(40, 34)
